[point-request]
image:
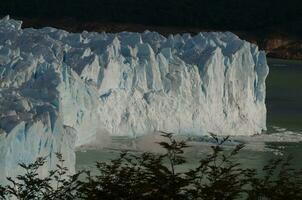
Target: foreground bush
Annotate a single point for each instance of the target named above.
(148, 176)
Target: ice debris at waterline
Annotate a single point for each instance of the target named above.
(61, 90)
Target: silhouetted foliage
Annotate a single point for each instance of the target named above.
(57, 185)
(155, 176)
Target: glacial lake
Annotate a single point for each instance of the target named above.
(284, 123)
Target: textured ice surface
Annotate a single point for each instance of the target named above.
(60, 89)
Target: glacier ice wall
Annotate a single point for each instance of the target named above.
(59, 90)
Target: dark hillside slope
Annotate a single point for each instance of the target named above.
(275, 25)
(268, 15)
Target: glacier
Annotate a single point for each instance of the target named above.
(60, 91)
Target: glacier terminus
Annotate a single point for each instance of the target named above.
(61, 90)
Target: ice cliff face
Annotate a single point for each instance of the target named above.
(59, 90)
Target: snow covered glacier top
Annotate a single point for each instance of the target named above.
(127, 84)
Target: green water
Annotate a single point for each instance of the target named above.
(284, 94)
(284, 109)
